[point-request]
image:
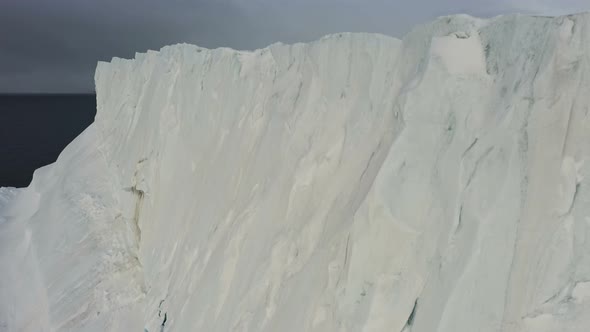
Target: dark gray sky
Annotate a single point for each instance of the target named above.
(53, 45)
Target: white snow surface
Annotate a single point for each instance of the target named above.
(355, 183)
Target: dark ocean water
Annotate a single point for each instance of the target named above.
(34, 129)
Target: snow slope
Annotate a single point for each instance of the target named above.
(356, 183)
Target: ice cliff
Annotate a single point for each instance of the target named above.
(355, 183)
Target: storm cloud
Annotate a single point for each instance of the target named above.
(53, 46)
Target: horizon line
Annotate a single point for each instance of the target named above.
(45, 93)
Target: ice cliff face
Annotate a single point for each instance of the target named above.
(356, 183)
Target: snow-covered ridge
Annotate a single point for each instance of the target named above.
(355, 183)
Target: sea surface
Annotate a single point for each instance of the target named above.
(34, 129)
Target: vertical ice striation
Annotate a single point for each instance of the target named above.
(356, 183)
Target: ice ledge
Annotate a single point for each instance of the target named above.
(459, 22)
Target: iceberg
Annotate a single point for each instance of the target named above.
(355, 183)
